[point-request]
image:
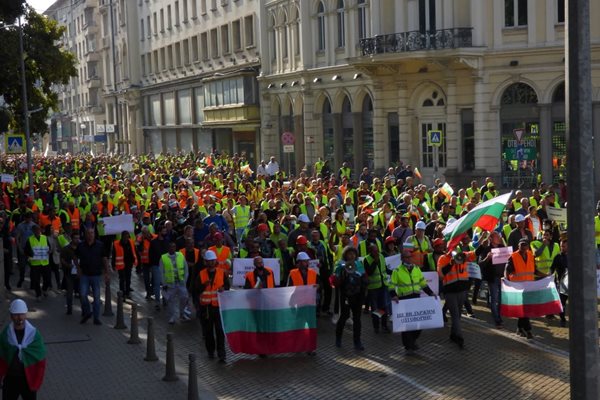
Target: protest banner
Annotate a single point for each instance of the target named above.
(558, 215)
(270, 321)
(243, 265)
(433, 281)
(501, 255)
(393, 262)
(8, 178)
(474, 270)
(416, 314)
(118, 223)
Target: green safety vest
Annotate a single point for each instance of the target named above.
(362, 248)
(597, 229)
(345, 172)
(169, 277)
(406, 283)
(241, 216)
(318, 167)
(40, 249)
(544, 261)
(377, 278)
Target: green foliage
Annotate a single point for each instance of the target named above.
(46, 63)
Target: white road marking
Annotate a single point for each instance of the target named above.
(405, 378)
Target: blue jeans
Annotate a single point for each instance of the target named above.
(494, 288)
(156, 279)
(84, 288)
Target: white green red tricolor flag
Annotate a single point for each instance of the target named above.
(270, 321)
(485, 216)
(32, 354)
(530, 298)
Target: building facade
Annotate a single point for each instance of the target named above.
(365, 81)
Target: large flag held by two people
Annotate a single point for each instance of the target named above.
(530, 298)
(485, 216)
(270, 321)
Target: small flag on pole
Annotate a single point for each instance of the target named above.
(417, 173)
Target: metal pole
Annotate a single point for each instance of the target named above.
(583, 330)
(25, 110)
(114, 65)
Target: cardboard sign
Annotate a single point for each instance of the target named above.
(501, 255)
(416, 314)
(117, 224)
(558, 215)
(433, 281)
(474, 270)
(393, 262)
(243, 265)
(8, 178)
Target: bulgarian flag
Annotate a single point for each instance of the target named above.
(417, 173)
(484, 216)
(447, 190)
(530, 298)
(32, 354)
(270, 321)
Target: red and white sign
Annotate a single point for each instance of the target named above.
(519, 134)
(287, 138)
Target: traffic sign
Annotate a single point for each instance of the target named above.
(14, 143)
(100, 128)
(288, 148)
(434, 138)
(287, 138)
(519, 132)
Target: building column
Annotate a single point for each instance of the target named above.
(358, 146)
(403, 122)
(477, 22)
(311, 129)
(479, 124)
(338, 141)
(300, 154)
(381, 137)
(452, 134)
(545, 132)
(596, 130)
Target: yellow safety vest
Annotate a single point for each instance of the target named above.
(40, 249)
(406, 283)
(169, 277)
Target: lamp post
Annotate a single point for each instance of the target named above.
(83, 127)
(25, 111)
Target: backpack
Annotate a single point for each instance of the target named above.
(352, 283)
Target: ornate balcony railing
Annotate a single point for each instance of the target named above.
(417, 40)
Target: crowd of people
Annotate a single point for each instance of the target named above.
(194, 213)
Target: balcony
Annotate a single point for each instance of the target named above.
(417, 41)
(232, 115)
(94, 82)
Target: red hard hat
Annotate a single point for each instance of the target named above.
(301, 240)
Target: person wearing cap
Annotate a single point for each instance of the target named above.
(303, 229)
(261, 277)
(431, 260)
(265, 244)
(174, 272)
(521, 268)
(302, 275)
(212, 280)
(452, 269)
(321, 251)
(403, 231)
(421, 244)
(22, 355)
(406, 282)
(520, 232)
(38, 251)
(389, 246)
(224, 254)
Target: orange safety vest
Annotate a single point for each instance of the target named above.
(120, 254)
(196, 254)
(75, 218)
(45, 221)
(145, 254)
(223, 254)
(296, 277)
(209, 295)
(524, 270)
(101, 207)
(459, 272)
(270, 280)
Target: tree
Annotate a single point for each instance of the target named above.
(47, 64)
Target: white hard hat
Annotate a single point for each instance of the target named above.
(18, 306)
(302, 256)
(420, 225)
(210, 255)
(519, 218)
(303, 218)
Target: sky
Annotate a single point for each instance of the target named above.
(40, 5)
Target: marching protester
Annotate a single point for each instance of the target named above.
(38, 251)
(92, 264)
(22, 355)
(124, 258)
(560, 269)
(492, 273)
(261, 277)
(174, 272)
(519, 268)
(377, 290)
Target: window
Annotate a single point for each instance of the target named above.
(185, 11)
(195, 52)
(156, 61)
(284, 38)
(427, 152)
(249, 30)
(202, 7)
(341, 27)
(560, 11)
(143, 64)
(162, 20)
(225, 39)
(169, 60)
(142, 29)
(468, 137)
(194, 9)
(273, 34)
(362, 19)
(214, 44)
(177, 54)
(236, 35)
(204, 45)
(155, 24)
(148, 26)
(515, 13)
(163, 63)
(169, 19)
(321, 27)
(176, 13)
(149, 61)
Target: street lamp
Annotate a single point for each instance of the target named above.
(83, 127)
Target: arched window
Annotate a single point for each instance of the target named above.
(284, 44)
(321, 26)
(341, 26)
(328, 140)
(368, 143)
(519, 93)
(273, 39)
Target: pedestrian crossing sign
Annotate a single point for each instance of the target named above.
(14, 143)
(434, 138)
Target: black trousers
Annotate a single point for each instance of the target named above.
(71, 286)
(37, 272)
(348, 304)
(212, 330)
(15, 386)
(563, 300)
(8, 262)
(326, 290)
(125, 280)
(524, 323)
(409, 339)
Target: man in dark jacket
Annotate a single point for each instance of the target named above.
(492, 273)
